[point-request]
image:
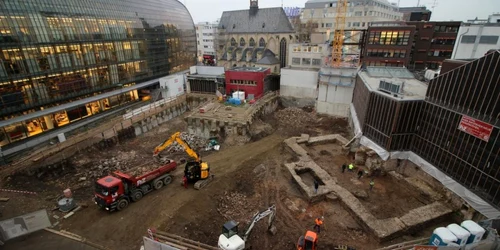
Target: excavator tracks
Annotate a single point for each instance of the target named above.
(203, 183)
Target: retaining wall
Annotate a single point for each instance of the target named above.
(205, 128)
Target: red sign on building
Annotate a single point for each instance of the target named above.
(475, 128)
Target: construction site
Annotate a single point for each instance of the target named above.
(275, 162)
(200, 173)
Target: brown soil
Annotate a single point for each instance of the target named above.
(248, 178)
(388, 198)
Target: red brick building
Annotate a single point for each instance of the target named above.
(415, 45)
(251, 80)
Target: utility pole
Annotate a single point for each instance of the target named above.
(418, 3)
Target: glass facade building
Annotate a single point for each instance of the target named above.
(57, 51)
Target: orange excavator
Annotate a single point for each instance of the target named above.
(309, 241)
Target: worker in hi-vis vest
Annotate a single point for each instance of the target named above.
(351, 167)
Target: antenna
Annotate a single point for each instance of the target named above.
(434, 4)
(418, 3)
(281, 3)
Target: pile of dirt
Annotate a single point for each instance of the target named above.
(233, 206)
(294, 117)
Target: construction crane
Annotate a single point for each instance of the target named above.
(338, 37)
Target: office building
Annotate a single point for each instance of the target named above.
(206, 33)
(415, 45)
(66, 62)
(477, 37)
(360, 14)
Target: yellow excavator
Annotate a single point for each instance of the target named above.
(195, 171)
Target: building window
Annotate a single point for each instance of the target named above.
(251, 43)
(262, 42)
(386, 53)
(316, 62)
(442, 28)
(295, 61)
(243, 82)
(488, 39)
(389, 37)
(242, 42)
(468, 39)
(283, 50)
(356, 24)
(296, 48)
(358, 13)
(328, 25)
(306, 61)
(233, 42)
(443, 41)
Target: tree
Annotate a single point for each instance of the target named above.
(304, 30)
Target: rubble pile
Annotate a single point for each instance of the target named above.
(193, 141)
(233, 206)
(294, 117)
(107, 166)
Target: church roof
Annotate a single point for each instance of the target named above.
(267, 20)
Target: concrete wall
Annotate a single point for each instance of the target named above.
(172, 85)
(206, 128)
(299, 83)
(476, 49)
(334, 100)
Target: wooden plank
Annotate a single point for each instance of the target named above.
(4, 199)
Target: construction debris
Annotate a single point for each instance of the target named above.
(294, 117)
(233, 206)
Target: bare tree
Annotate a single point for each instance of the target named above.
(304, 30)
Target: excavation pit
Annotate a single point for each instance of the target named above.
(321, 157)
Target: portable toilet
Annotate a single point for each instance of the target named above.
(476, 231)
(443, 237)
(460, 232)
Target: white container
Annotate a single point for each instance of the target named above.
(443, 237)
(460, 232)
(476, 231)
(241, 95)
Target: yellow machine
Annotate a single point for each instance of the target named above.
(195, 171)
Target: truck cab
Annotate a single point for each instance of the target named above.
(108, 191)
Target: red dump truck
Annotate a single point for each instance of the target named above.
(115, 192)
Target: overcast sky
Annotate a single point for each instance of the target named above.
(446, 10)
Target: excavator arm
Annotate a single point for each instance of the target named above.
(271, 212)
(176, 137)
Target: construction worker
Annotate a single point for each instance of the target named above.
(185, 182)
(351, 167)
(316, 186)
(372, 183)
(317, 224)
(344, 166)
(360, 173)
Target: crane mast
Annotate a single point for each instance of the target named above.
(338, 37)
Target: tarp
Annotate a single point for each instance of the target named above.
(472, 199)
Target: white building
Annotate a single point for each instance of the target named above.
(475, 39)
(359, 14)
(205, 36)
(308, 56)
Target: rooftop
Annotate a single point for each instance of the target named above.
(412, 89)
(266, 20)
(249, 69)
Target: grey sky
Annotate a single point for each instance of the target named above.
(446, 10)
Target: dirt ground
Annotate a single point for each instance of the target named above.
(388, 198)
(248, 178)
